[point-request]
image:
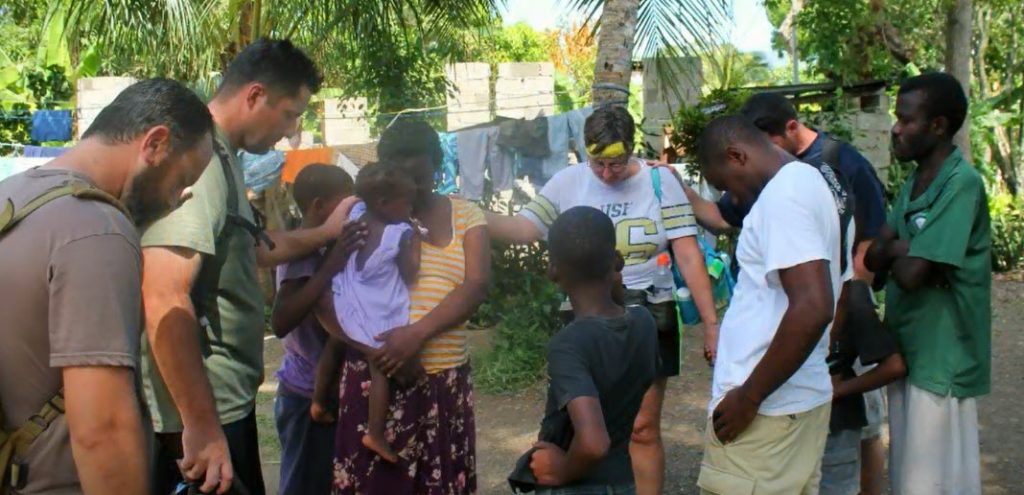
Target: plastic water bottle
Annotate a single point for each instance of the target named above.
(715, 268)
(690, 315)
(664, 286)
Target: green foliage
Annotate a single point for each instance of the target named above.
(725, 67)
(391, 52)
(517, 357)
(832, 116)
(573, 50)
(847, 41)
(497, 44)
(690, 121)
(32, 89)
(522, 310)
(897, 174)
(15, 124)
(1007, 214)
(661, 24)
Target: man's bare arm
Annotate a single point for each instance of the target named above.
(707, 212)
(291, 245)
(108, 440)
(172, 330)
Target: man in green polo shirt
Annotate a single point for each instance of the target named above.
(203, 356)
(936, 250)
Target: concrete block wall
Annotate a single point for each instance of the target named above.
(871, 135)
(525, 90)
(469, 97)
(345, 121)
(95, 93)
(662, 99)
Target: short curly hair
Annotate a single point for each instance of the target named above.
(409, 138)
(381, 180)
(944, 97)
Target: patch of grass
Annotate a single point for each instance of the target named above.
(270, 447)
(524, 322)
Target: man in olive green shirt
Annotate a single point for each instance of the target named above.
(936, 250)
(203, 358)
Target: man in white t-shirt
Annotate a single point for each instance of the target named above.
(771, 394)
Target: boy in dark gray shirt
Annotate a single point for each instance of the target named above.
(600, 366)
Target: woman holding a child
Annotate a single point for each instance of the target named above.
(648, 223)
(430, 423)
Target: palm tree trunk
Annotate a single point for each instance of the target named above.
(958, 57)
(615, 49)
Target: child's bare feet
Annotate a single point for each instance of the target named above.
(381, 447)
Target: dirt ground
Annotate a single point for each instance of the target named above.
(507, 425)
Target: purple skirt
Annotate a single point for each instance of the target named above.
(430, 426)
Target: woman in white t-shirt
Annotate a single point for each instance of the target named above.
(622, 186)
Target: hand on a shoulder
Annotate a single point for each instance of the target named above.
(340, 215)
(353, 236)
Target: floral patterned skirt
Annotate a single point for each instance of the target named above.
(430, 426)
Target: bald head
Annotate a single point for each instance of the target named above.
(736, 156)
(725, 132)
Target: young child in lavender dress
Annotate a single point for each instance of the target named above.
(371, 295)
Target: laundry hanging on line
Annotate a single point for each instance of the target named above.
(51, 125)
(478, 152)
(558, 142)
(44, 151)
(296, 160)
(346, 164)
(447, 175)
(261, 171)
(526, 137)
(546, 153)
(577, 119)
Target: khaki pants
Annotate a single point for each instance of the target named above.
(776, 455)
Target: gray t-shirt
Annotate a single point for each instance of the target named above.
(70, 294)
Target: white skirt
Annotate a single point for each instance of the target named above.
(933, 443)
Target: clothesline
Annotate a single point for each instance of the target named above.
(11, 116)
(315, 98)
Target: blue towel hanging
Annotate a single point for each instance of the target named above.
(44, 151)
(51, 125)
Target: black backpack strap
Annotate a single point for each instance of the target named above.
(255, 229)
(844, 205)
(842, 191)
(830, 151)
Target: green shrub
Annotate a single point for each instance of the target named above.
(690, 121)
(521, 310)
(1007, 215)
(527, 319)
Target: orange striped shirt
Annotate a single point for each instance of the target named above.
(441, 270)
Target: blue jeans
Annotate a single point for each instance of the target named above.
(629, 489)
(307, 448)
(840, 465)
